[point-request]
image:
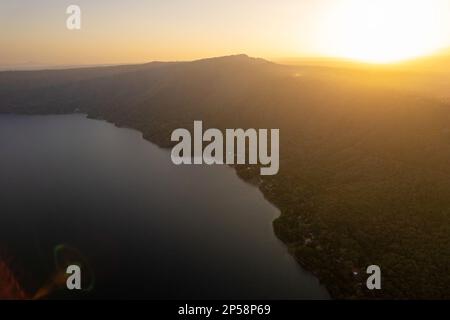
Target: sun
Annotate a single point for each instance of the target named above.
(381, 31)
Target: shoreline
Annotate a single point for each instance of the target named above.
(240, 171)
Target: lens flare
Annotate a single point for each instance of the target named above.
(10, 288)
(65, 256)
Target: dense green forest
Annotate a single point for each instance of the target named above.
(364, 153)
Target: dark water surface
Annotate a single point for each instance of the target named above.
(148, 228)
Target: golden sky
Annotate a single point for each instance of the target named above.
(132, 31)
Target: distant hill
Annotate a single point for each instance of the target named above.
(439, 62)
(429, 76)
(364, 176)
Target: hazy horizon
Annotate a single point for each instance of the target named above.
(114, 32)
(299, 60)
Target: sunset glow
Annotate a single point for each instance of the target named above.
(137, 31)
(382, 31)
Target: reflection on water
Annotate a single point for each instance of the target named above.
(145, 227)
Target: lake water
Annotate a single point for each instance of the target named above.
(144, 227)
